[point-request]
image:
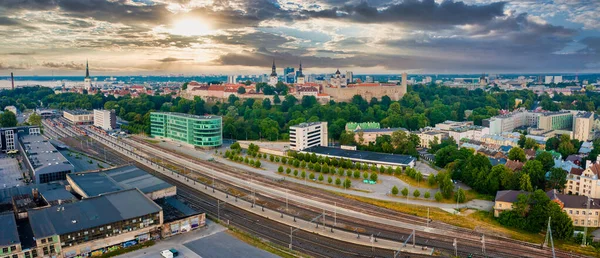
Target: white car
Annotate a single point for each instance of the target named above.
(166, 254)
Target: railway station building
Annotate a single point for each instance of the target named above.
(79, 117)
(368, 157)
(197, 131)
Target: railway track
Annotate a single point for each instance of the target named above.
(394, 235)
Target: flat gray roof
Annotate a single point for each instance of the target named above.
(374, 157)
(41, 153)
(8, 229)
(91, 212)
(58, 194)
(116, 179)
(303, 125)
(78, 112)
(6, 194)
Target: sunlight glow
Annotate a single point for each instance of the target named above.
(190, 27)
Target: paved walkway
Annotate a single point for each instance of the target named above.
(379, 191)
(267, 213)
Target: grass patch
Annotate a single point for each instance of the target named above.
(481, 220)
(128, 249)
(412, 182)
(152, 141)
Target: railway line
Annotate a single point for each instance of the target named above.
(467, 245)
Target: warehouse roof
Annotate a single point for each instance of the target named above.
(9, 234)
(92, 212)
(116, 179)
(60, 194)
(41, 153)
(374, 157)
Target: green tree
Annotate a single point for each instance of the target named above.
(356, 174)
(535, 170)
(365, 175)
(431, 180)
(257, 164)
(374, 177)
(321, 178)
(347, 183)
(329, 179)
(338, 181)
(35, 119)
(460, 195)
(8, 119)
(427, 195)
(522, 140)
(416, 193)
(288, 170)
(525, 183)
(241, 90)
(311, 176)
(546, 159)
(395, 190)
(557, 179)
(438, 196)
(303, 174)
(517, 154)
(295, 172)
(531, 144)
(280, 169)
(405, 192)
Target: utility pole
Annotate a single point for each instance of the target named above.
(428, 217)
(455, 247)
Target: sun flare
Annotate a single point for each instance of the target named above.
(190, 27)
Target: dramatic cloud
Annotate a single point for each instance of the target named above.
(68, 66)
(244, 36)
(416, 12)
(173, 59)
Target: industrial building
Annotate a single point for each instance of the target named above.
(9, 136)
(83, 227)
(10, 244)
(306, 135)
(45, 163)
(368, 157)
(89, 184)
(79, 117)
(198, 131)
(105, 119)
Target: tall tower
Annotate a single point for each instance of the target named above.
(87, 81)
(404, 80)
(273, 77)
(12, 80)
(300, 77)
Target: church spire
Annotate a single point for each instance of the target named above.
(87, 69)
(273, 69)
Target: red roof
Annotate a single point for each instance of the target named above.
(216, 88)
(514, 165)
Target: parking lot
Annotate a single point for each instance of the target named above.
(10, 173)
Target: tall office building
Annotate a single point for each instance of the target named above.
(582, 126)
(200, 131)
(231, 79)
(105, 119)
(558, 79)
(308, 135)
(548, 79)
(349, 77)
(289, 74)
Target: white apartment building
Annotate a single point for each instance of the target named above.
(308, 135)
(582, 126)
(584, 182)
(431, 136)
(105, 119)
(468, 132)
(508, 123)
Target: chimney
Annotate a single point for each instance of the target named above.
(12, 80)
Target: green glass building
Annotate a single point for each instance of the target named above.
(200, 131)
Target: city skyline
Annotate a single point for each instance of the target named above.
(146, 37)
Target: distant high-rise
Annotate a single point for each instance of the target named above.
(558, 79)
(12, 80)
(231, 79)
(273, 77)
(368, 79)
(548, 79)
(349, 77)
(404, 79)
(289, 75)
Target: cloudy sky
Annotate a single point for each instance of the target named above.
(195, 37)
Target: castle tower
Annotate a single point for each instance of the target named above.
(273, 77)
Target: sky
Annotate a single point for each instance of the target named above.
(195, 37)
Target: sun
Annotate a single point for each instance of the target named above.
(190, 27)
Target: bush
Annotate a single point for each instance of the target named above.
(295, 172)
(427, 195)
(311, 176)
(356, 174)
(276, 159)
(329, 180)
(288, 171)
(251, 162)
(438, 196)
(341, 172)
(349, 173)
(365, 175)
(460, 195)
(405, 192)
(338, 181)
(271, 158)
(257, 163)
(303, 174)
(431, 180)
(416, 193)
(395, 190)
(398, 171)
(284, 160)
(321, 178)
(347, 183)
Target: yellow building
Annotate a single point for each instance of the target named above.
(431, 136)
(77, 117)
(584, 182)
